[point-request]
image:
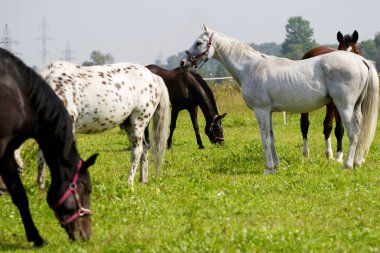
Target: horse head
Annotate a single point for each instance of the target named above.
(200, 52)
(71, 200)
(348, 42)
(214, 130)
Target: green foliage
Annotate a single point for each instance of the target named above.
(268, 48)
(368, 49)
(298, 38)
(98, 58)
(216, 199)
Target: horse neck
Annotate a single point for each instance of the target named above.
(204, 103)
(234, 55)
(54, 131)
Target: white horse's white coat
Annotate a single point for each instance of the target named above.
(99, 98)
(272, 84)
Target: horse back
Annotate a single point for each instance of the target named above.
(318, 51)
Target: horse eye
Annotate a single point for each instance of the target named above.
(198, 43)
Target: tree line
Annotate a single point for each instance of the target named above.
(298, 40)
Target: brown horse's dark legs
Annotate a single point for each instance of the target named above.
(339, 132)
(15, 188)
(194, 120)
(304, 129)
(173, 122)
(327, 128)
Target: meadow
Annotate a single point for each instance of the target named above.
(216, 199)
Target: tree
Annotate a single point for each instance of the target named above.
(268, 48)
(368, 49)
(298, 38)
(377, 55)
(98, 58)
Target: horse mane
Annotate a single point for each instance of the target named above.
(238, 48)
(52, 115)
(206, 88)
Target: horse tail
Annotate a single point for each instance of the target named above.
(369, 111)
(160, 124)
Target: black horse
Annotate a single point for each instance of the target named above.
(29, 108)
(188, 90)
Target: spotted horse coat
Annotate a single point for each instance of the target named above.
(99, 98)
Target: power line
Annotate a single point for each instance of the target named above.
(6, 40)
(68, 53)
(44, 38)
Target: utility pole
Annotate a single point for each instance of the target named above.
(44, 38)
(6, 40)
(68, 53)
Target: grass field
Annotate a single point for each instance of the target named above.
(216, 199)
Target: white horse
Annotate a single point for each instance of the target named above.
(99, 98)
(272, 84)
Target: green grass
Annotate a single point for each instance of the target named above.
(216, 199)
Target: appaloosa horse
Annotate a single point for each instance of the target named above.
(188, 90)
(99, 98)
(271, 84)
(346, 43)
(29, 108)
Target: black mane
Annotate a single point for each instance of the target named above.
(53, 118)
(207, 89)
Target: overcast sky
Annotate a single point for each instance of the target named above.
(140, 31)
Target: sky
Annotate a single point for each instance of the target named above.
(142, 31)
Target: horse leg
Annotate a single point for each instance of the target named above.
(173, 122)
(194, 120)
(304, 129)
(20, 162)
(144, 157)
(135, 131)
(263, 118)
(11, 177)
(327, 128)
(352, 122)
(276, 161)
(41, 170)
(339, 133)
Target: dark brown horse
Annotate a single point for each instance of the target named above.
(188, 90)
(347, 43)
(29, 108)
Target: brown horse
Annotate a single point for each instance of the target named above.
(188, 90)
(347, 43)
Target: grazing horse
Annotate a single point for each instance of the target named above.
(188, 90)
(271, 84)
(29, 108)
(99, 98)
(346, 43)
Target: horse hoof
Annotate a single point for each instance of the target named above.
(269, 171)
(40, 243)
(329, 156)
(201, 147)
(306, 153)
(347, 167)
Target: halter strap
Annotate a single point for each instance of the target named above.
(194, 58)
(72, 189)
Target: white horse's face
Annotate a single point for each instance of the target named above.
(199, 52)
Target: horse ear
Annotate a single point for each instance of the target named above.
(223, 115)
(355, 36)
(220, 117)
(204, 28)
(339, 37)
(91, 160)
